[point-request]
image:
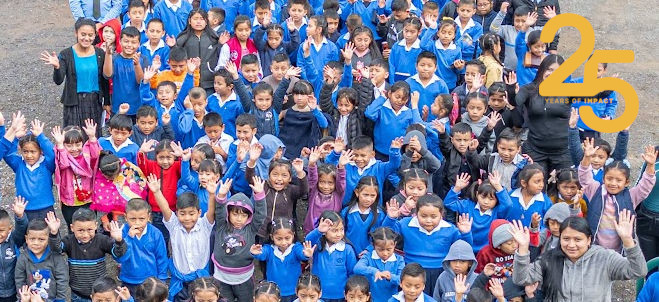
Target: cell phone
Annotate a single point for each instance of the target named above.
(385, 45)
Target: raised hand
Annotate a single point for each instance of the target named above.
(232, 69)
(549, 11)
(90, 129)
(425, 112)
(439, 126)
(347, 52)
(153, 182)
(258, 185)
(625, 225)
(177, 150)
(495, 180)
(314, 156)
(535, 220)
(19, 206)
(531, 18)
(149, 72)
(493, 120)
(225, 187)
(649, 156)
(574, 118)
(461, 181)
(136, 59)
(290, 24)
(306, 48)
(414, 99)
(298, 166)
(37, 127)
(292, 72)
(148, 145)
(308, 249)
(166, 118)
(460, 284)
(156, 63)
(256, 249)
(410, 202)
(224, 38)
(393, 210)
(255, 151)
(489, 269)
(58, 136)
(339, 145)
(53, 223)
(116, 231)
(123, 293)
(477, 83)
(211, 187)
(241, 151)
(504, 6)
(324, 225)
(589, 148)
(397, 143)
(345, 158)
(124, 107)
(50, 59)
(24, 293)
(329, 74)
(521, 234)
(170, 41)
(312, 102)
(459, 64)
(473, 145)
(464, 223)
(496, 289)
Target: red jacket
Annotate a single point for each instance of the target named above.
(490, 254)
(168, 180)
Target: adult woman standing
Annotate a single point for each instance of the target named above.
(81, 68)
(648, 219)
(576, 270)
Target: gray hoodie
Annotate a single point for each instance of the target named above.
(445, 288)
(428, 161)
(589, 278)
(477, 128)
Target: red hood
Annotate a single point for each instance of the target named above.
(116, 26)
(495, 224)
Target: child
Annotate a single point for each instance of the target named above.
(454, 149)
(204, 289)
(179, 69)
(416, 154)
(403, 53)
(507, 161)
(333, 260)
(208, 172)
(481, 126)
(362, 214)
(191, 120)
(550, 238)
(239, 220)
(148, 129)
(530, 203)
(491, 47)
(426, 236)
(439, 40)
(119, 142)
(530, 52)
(488, 201)
(85, 249)
(189, 233)
(273, 43)
(351, 23)
(603, 206)
(106, 289)
(240, 44)
(348, 115)
(440, 109)
(499, 95)
(109, 35)
(365, 48)
(152, 290)
(564, 187)
(333, 19)
(278, 68)
(125, 70)
(509, 32)
(216, 16)
(216, 137)
(246, 134)
(391, 28)
(11, 239)
(200, 42)
(229, 93)
(173, 14)
(500, 252)
(459, 264)
(392, 116)
(429, 15)
(381, 266)
(155, 46)
(326, 187)
(323, 50)
(267, 291)
(43, 270)
(474, 78)
(33, 161)
(425, 81)
(308, 288)
(414, 184)
(283, 256)
(357, 289)
(297, 12)
(136, 14)
(485, 14)
(468, 32)
(413, 282)
(604, 108)
(74, 166)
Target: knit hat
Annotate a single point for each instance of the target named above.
(501, 234)
(559, 212)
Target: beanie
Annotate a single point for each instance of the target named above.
(559, 212)
(501, 234)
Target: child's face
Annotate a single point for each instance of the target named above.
(178, 67)
(475, 109)
(301, 100)
(426, 68)
(378, 74)
(410, 34)
(119, 136)
(412, 287)
(297, 12)
(86, 35)
(401, 15)
(535, 184)
(432, 14)
(138, 219)
(550, 70)
(335, 233)
(108, 35)
(398, 99)
(497, 101)
(238, 218)
(465, 12)
(332, 25)
(197, 22)
(313, 29)
(437, 109)
(384, 248)
(129, 45)
(213, 20)
(598, 160)
(196, 158)
(361, 157)
(538, 48)
(282, 238)
(366, 196)
(221, 87)
(262, 14)
(147, 124)
(206, 177)
(278, 69)
(274, 40)
(155, 32)
(37, 241)
(460, 267)
(486, 202)
(554, 227)
(165, 159)
(245, 133)
(214, 132)
(326, 184)
(356, 295)
(136, 15)
(509, 247)
(415, 188)
(188, 217)
(568, 189)
(507, 150)
(483, 7)
(263, 101)
(600, 70)
(5, 229)
(242, 31)
(308, 295)
(250, 72)
(279, 177)
(519, 22)
(362, 41)
(344, 106)
(199, 107)
(471, 72)
(84, 231)
(166, 95)
(109, 296)
(206, 296)
(31, 153)
(461, 141)
(446, 35)
(429, 217)
(615, 181)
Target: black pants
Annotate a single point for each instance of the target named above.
(548, 161)
(38, 214)
(239, 292)
(647, 223)
(431, 278)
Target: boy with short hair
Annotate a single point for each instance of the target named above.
(246, 129)
(106, 289)
(278, 68)
(216, 16)
(333, 19)
(146, 255)
(230, 8)
(297, 11)
(468, 31)
(147, 128)
(250, 71)
(174, 15)
(459, 261)
(264, 12)
(391, 28)
(485, 14)
(351, 23)
(509, 32)
(191, 120)
(125, 70)
(178, 63)
(85, 249)
(412, 283)
(375, 83)
(429, 15)
(508, 160)
(500, 251)
(474, 77)
(216, 137)
(136, 13)
(119, 142)
(228, 97)
(43, 270)
(454, 149)
(425, 81)
(11, 239)
(155, 45)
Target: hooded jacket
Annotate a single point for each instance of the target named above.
(428, 161)
(356, 125)
(48, 275)
(491, 254)
(116, 27)
(445, 287)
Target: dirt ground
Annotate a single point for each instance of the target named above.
(30, 27)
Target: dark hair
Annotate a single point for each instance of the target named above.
(414, 21)
(401, 85)
(280, 58)
(418, 127)
(426, 55)
(121, 122)
(533, 38)
(109, 164)
(380, 62)
(167, 84)
(262, 4)
(151, 290)
(163, 145)
(353, 21)
(275, 28)
(155, 21)
(330, 13)
(130, 32)
(478, 97)
(146, 111)
(302, 87)
(484, 188)
(336, 65)
(262, 87)
(354, 199)
(522, 11)
(413, 270)
(188, 31)
(383, 234)
(552, 261)
(204, 284)
(249, 59)
(349, 94)
(509, 135)
(212, 119)
(246, 119)
(567, 175)
(320, 22)
(331, 6)
(335, 218)
(527, 172)
(461, 128)
(210, 165)
(219, 12)
(544, 65)
(362, 142)
(445, 100)
(481, 67)
(27, 139)
(466, 2)
(225, 76)
(479, 294)
(430, 200)
(36, 225)
(4, 215)
(280, 163)
(399, 6)
(83, 215)
(104, 284)
(618, 165)
(447, 22)
(411, 174)
(603, 145)
(187, 200)
(137, 204)
(136, 3)
(430, 5)
(84, 22)
(487, 43)
(281, 223)
(178, 54)
(72, 135)
(206, 149)
(267, 288)
(496, 87)
(197, 93)
(308, 281)
(240, 19)
(372, 47)
(360, 283)
(326, 169)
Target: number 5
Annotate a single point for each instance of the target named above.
(554, 86)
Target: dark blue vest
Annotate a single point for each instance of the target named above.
(596, 207)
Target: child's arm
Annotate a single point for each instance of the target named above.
(186, 176)
(212, 189)
(258, 195)
(394, 157)
(188, 83)
(259, 40)
(325, 97)
(239, 86)
(495, 26)
(154, 186)
(107, 64)
(185, 120)
(20, 221)
(643, 188)
(220, 201)
(478, 161)
(161, 258)
(280, 93)
(574, 144)
(320, 117)
(146, 95)
(452, 202)
(620, 150)
(432, 163)
(373, 110)
(362, 268)
(261, 252)
(520, 46)
(611, 105)
(61, 272)
(168, 131)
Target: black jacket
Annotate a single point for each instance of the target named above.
(547, 119)
(10, 250)
(67, 74)
(205, 48)
(357, 123)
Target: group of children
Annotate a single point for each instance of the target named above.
(358, 150)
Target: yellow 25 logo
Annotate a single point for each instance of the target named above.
(554, 86)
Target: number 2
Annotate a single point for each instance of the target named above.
(554, 86)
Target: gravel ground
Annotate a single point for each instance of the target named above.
(27, 84)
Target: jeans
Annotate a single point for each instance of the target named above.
(38, 214)
(156, 220)
(76, 298)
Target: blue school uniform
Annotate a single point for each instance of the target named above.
(480, 228)
(358, 228)
(426, 248)
(275, 9)
(148, 98)
(332, 264)
(283, 268)
(400, 297)
(191, 129)
(302, 31)
(525, 74)
(125, 87)
(161, 50)
(402, 60)
(366, 12)
(142, 30)
(230, 109)
(445, 57)
(321, 54)
(467, 38)
(428, 92)
(371, 263)
(127, 150)
(174, 16)
(389, 124)
(540, 203)
(34, 183)
(230, 8)
(145, 257)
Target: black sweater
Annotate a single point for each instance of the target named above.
(67, 74)
(547, 119)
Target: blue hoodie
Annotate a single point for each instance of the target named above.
(445, 287)
(270, 145)
(371, 263)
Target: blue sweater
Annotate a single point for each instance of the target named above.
(174, 22)
(327, 52)
(125, 89)
(525, 75)
(480, 228)
(425, 298)
(145, 257)
(284, 272)
(366, 12)
(427, 250)
(602, 107)
(129, 152)
(388, 124)
(428, 93)
(191, 131)
(239, 181)
(358, 230)
(402, 61)
(162, 52)
(445, 57)
(148, 98)
(35, 186)
(229, 111)
(540, 204)
(370, 263)
(472, 33)
(333, 269)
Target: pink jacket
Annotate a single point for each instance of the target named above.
(319, 202)
(112, 194)
(83, 167)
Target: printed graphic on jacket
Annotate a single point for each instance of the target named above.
(40, 282)
(232, 242)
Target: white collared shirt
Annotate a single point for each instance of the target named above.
(173, 6)
(469, 25)
(160, 45)
(414, 222)
(400, 296)
(488, 212)
(342, 128)
(433, 79)
(380, 90)
(360, 171)
(387, 104)
(140, 29)
(391, 258)
(339, 246)
(167, 109)
(279, 254)
(319, 46)
(36, 165)
(518, 193)
(124, 144)
(190, 250)
(415, 44)
(440, 46)
(231, 97)
(355, 208)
